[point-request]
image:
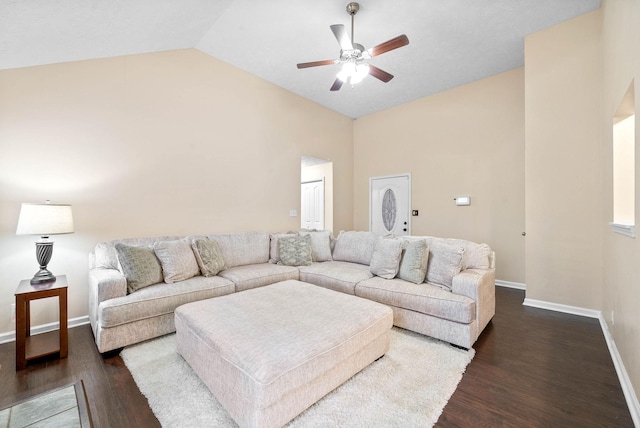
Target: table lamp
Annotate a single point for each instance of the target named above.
(44, 220)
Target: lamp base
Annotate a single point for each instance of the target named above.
(43, 275)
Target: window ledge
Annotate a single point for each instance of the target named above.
(624, 229)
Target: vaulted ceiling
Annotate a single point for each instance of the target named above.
(452, 42)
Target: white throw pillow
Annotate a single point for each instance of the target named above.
(177, 260)
(386, 257)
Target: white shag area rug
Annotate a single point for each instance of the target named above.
(409, 386)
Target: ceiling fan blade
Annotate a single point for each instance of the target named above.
(342, 36)
(336, 85)
(389, 45)
(316, 63)
(379, 74)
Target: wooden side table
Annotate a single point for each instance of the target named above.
(54, 342)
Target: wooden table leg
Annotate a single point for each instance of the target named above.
(22, 326)
(64, 336)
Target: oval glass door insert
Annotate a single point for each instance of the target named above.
(389, 209)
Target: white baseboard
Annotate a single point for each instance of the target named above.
(627, 387)
(573, 310)
(509, 284)
(73, 322)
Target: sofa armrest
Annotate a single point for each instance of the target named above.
(105, 284)
(479, 285)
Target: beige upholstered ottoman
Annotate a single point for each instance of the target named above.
(269, 353)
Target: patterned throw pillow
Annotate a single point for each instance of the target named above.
(140, 266)
(386, 257)
(295, 250)
(413, 265)
(208, 256)
(274, 246)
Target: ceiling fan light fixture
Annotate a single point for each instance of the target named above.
(352, 72)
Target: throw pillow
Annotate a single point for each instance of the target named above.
(386, 257)
(208, 256)
(177, 260)
(445, 262)
(413, 264)
(106, 256)
(140, 266)
(320, 245)
(295, 250)
(355, 247)
(274, 248)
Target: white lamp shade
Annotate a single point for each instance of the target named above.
(45, 219)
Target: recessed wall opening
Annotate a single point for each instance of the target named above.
(624, 160)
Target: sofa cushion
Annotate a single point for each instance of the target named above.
(386, 257)
(258, 275)
(295, 250)
(243, 248)
(424, 298)
(177, 260)
(160, 299)
(445, 262)
(208, 256)
(140, 266)
(355, 247)
(274, 246)
(476, 256)
(320, 244)
(335, 275)
(413, 264)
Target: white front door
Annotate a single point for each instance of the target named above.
(312, 201)
(390, 205)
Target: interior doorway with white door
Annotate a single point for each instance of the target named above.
(390, 205)
(312, 201)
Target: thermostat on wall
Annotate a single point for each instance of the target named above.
(463, 200)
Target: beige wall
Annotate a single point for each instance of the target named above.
(621, 294)
(167, 143)
(465, 141)
(563, 163)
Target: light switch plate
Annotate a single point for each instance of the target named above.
(293, 213)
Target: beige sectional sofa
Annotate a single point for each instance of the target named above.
(454, 302)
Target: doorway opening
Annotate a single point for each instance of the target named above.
(316, 193)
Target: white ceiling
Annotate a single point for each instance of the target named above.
(452, 42)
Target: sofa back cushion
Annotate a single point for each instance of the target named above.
(239, 249)
(320, 244)
(106, 256)
(354, 247)
(476, 256)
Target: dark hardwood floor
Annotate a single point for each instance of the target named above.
(533, 368)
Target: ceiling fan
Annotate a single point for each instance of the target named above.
(353, 56)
